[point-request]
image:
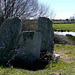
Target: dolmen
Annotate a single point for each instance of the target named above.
(26, 45)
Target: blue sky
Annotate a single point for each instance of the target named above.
(62, 8)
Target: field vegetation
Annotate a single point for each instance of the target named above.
(64, 66)
(71, 37)
(64, 27)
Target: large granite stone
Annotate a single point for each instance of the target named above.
(47, 32)
(9, 33)
(29, 46)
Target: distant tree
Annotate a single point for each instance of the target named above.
(72, 18)
(67, 19)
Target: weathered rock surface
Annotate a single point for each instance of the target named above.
(29, 46)
(47, 32)
(9, 33)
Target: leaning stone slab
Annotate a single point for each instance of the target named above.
(47, 32)
(29, 46)
(9, 33)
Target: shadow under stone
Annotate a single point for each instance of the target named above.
(37, 65)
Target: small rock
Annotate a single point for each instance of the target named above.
(56, 57)
(54, 74)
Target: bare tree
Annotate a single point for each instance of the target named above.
(45, 11)
(21, 8)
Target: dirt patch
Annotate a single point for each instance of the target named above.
(60, 39)
(65, 56)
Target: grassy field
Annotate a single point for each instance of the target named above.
(64, 66)
(64, 27)
(63, 21)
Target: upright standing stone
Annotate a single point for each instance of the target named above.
(46, 29)
(9, 33)
(29, 46)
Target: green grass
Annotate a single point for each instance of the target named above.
(71, 37)
(59, 22)
(64, 27)
(64, 66)
(68, 50)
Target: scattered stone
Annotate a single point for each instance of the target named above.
(9, 33)
(61, 70)
(1, 72)
(47, 32)
(29, 46)
(54, 73)
(56, 57)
